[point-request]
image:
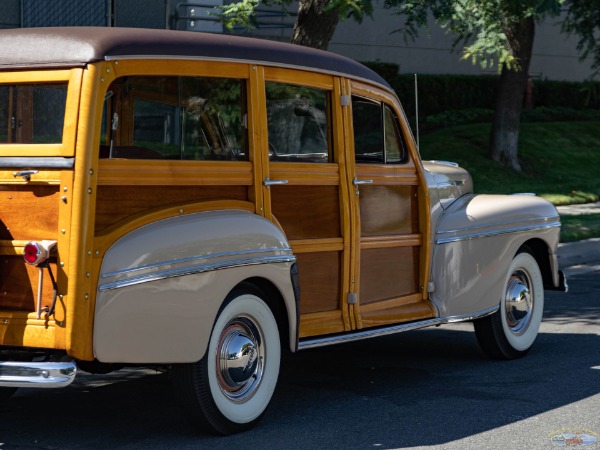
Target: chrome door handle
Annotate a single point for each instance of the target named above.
(268, 182)
(356, 181)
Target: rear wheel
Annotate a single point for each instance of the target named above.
(229, 389)
(511, 331)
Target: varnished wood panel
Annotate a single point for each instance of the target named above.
(307, 212)
(320, 275)
(115, 203)
(19, 284)
(406, 313)
(386, 210)
(28, 212)
(387, 273)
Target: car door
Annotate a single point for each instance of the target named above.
(389, 219)
(305, 191)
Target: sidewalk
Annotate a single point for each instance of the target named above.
(579, 210)
(582, 256)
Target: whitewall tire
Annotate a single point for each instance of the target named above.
(229, 389)
(511, 331)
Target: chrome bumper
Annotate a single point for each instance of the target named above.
(37, 374)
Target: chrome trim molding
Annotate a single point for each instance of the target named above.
(37, 374)
(191, 270)
(472, 316)
(507, 222)
(41, 162)
(194, 258)
(371, 333)
(482, 234)
(366, 334)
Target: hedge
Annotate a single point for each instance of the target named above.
(440, 93)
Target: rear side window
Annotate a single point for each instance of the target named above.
(32, 113)
(188, 118)
(298, 123)
(377, 135)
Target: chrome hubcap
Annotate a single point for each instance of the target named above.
(519, 302)
(240, 359)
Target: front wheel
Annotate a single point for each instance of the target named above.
(510, 332)
(229, 389)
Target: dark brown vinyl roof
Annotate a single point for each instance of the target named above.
(77, 46)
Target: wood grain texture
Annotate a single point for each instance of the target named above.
(387, 273)
(28, 212)
(307, 212)
(386, 210)
(320, 281)
(19, 285)
(135, 199)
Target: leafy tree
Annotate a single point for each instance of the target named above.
(492, 32)
(583, 19)
(316, 19)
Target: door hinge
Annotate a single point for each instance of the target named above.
(345, 100)
(352, 298)
(431, 286)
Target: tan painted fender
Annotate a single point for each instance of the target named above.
(475, 241)
(161, 286)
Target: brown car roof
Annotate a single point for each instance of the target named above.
(77, 46)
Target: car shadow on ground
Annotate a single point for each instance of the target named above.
(427, 387)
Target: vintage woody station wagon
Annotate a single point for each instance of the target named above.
(203, 202)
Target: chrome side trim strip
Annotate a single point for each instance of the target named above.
(41, 162)
(194, 258)
(37, 374)
(191, 270)
(365, 334)
(483, 234)
(472, 316)
(508, 222)
(371, 333)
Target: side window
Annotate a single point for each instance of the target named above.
(377, 135)
(32, 113)
(189, 118)
(298, 123)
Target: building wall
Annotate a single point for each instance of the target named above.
(554, 55)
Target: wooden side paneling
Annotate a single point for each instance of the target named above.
(388, 273)
(135, 199)
(388, 210)
(307, 212)
(320, 277)
(19, 284)
(28, 212)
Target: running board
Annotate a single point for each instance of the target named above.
(385, 331)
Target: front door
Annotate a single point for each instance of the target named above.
(388, 234)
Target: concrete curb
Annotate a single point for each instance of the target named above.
(579, 257)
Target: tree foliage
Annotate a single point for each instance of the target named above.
(243, 13)
(480, 26)
(583, 20)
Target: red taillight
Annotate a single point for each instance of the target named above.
(38, 252)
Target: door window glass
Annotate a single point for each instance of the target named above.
(377, 136)
(298, 123)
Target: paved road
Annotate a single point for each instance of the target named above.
(431, 388)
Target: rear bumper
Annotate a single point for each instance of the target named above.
(37, 374)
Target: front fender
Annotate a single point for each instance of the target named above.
(476, 239)
(161, 285)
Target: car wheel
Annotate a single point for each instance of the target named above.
(511, 331)
(229, 389)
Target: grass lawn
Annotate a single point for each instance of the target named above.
(560, 162)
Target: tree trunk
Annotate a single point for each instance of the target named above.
(315, 24)
(509, 98)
